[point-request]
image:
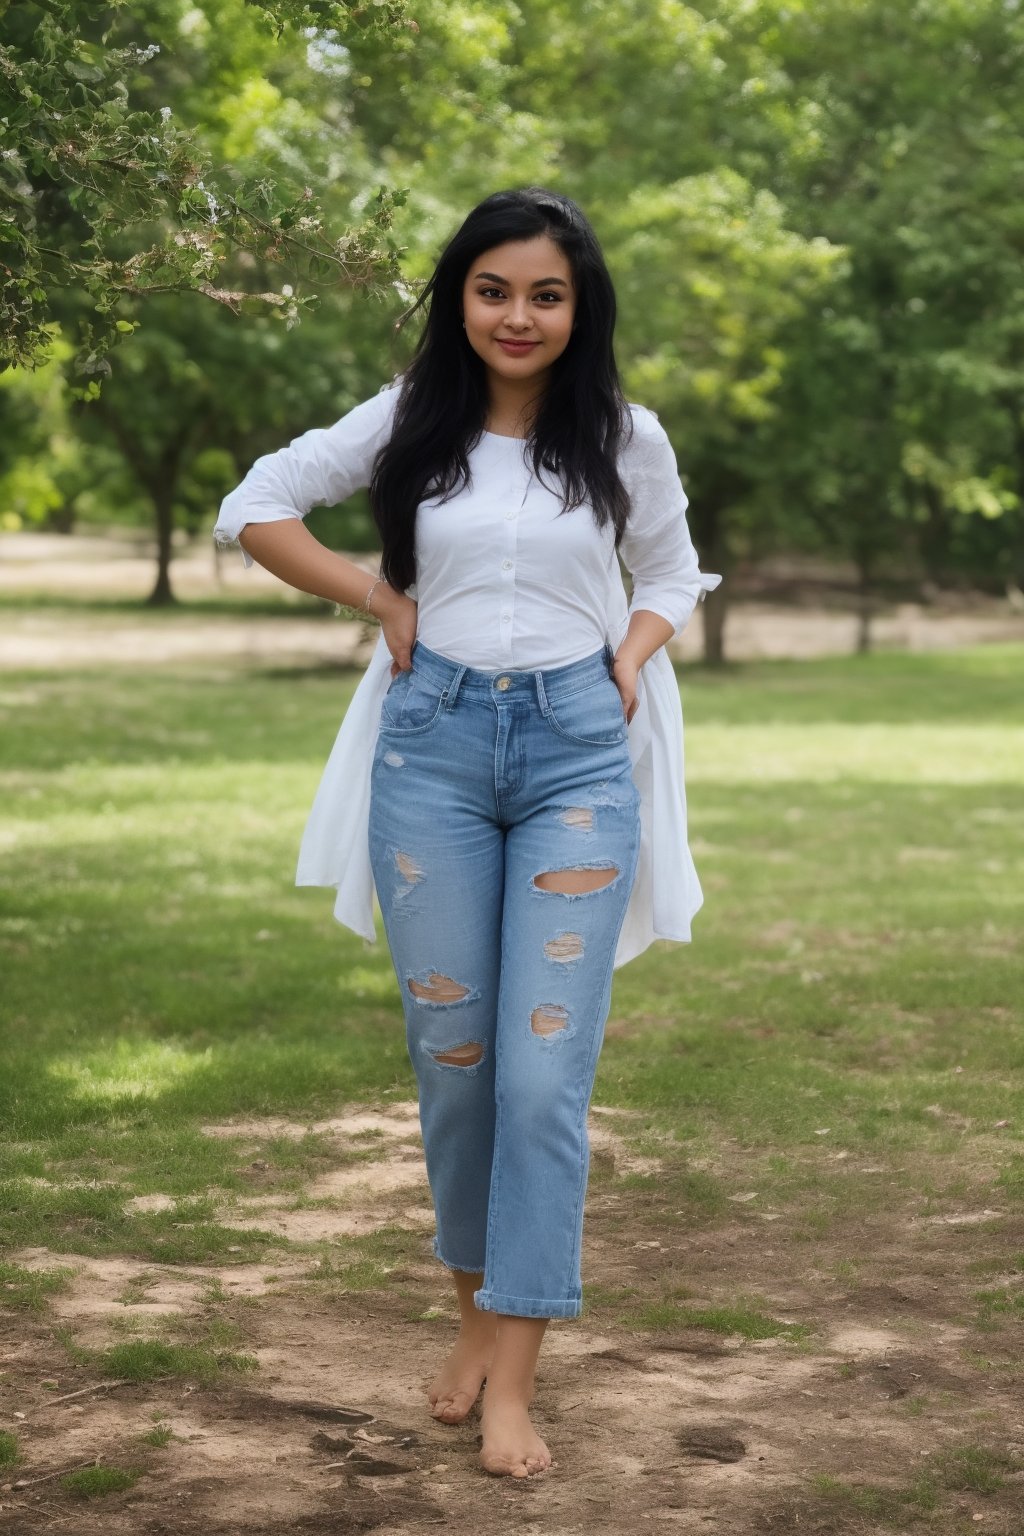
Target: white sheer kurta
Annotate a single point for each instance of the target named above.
(505, 580)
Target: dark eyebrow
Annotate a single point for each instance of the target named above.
(542, 282)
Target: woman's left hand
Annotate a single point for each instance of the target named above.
(625, 674)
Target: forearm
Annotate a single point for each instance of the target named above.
(647, 631)
(289, 551)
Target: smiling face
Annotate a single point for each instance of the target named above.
(518, 302)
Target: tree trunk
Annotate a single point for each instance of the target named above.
(158, 477)
(715, 604)
(865, 607)
(714, 611)
(163, 504)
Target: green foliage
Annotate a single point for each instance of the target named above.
(901, 437)
(817, 260)
(101, 198)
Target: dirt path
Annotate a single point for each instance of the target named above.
(89, 567)
(666, 1429)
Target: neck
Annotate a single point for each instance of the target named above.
(512, 404)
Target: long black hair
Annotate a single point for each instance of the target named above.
(581, 421)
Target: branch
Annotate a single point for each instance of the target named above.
(229, 297)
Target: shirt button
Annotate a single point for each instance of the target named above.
(509, 516)
(503, 683)
(506, 565)
(506, 618)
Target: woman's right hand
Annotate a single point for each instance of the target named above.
(397, 614)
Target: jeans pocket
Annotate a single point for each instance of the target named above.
(591, 717)
(410, 705)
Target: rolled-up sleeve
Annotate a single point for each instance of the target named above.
(656, 547)
(319, 469)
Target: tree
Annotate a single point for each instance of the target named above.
(711, 282)
(100, 198)
(898, 132)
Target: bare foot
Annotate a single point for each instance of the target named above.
(457, 1384)
(511, 1446)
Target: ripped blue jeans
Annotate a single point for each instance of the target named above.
(488, 791)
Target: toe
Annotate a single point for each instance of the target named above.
(503, 1466)
(453, 1407)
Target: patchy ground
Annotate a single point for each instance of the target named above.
(798, 1340)
(893, 1396)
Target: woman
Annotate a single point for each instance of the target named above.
(506, 779)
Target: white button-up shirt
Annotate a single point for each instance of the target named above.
(505, 579)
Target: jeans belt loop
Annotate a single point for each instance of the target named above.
(542, 698)
(451, 692)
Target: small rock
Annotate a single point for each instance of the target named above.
(322, 1442)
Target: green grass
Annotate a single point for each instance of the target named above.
(746, 1321)
(851, 988)
(160, 1437)
(975, 1468)
(364, 1263)
(897, 1506)
(995, 1305)
(28, 1289)
(95, 1482)
(967, 1468)
(157, 1359)
(9, 1452)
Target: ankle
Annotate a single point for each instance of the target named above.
(505, 1391)
(475, 1328)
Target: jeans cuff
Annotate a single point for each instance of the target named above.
(527, 1306)
(469, 1269)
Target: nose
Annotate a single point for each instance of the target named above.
(517, 316)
